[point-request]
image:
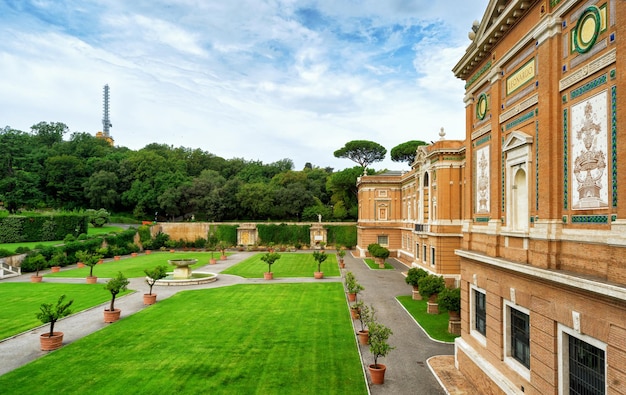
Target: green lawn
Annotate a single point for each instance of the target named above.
(21, 301)
(289, 265)
(134, 267)
(436, 325)
(243, 339)
(374, 265)
(32, 244)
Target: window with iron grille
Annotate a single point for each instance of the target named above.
(520, 337)
(480, 312)
(586, 368)
(383, 240)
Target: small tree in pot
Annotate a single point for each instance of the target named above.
(115, 286)
(429, 287)
(352, 287)
(366, 315)
(39, 261)
(412, 278)
(450, 299)
(270, 258)
(91, 260)
(152, 276)
(379, 347)
(50, 313)
(341, 253)
(319, 258)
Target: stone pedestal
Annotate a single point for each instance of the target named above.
(432, 308)
(454, 327)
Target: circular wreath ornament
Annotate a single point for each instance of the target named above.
(587, 29)
(481, 106)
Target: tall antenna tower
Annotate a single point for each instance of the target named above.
(106, 122)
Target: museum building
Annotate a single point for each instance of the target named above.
(527, 214)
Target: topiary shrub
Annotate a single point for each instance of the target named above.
(431, 285)
(450, 299)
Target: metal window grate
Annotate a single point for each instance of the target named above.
(586, 368)
(520, 337)
(480, 313)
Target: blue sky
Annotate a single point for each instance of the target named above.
(254, 79)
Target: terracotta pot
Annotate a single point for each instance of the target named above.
(51, 343)
(318, 275)
(36, 279)
(149, 299)
(172, 251)
(133, 254)
(55, 269)
(80, 265)
(100, 262)
(112, 316)
(268, 275)
(351, 297)
(91, 279)
(223, 257)
(354, 313)
(342, 265)
(213, 261)
(148, 252)
(364, 337)
(117, 258)
(377, 374)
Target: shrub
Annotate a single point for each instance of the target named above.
(431, 285)
(450, 299)
(4, 252)
(98, 218)
(414, 275)
(22, 250)
(69, 238)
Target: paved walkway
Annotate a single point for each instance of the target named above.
(417, 365)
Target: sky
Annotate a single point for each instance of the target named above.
(255, 79)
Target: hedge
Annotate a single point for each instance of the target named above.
(17, 228)
(341, 235)
(284, 234)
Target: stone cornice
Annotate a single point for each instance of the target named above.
(558, 277)
(517, 109)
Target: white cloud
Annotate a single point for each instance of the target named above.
(259, 80)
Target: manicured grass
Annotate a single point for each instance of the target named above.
(134, 267)
(243, 339)
(21, 301)
(436, 325)
(374, 265)
(32, 244)
(289, 265)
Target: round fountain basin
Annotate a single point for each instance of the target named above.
(196, 278)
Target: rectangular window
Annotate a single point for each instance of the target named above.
(417, 250)
(383, 240)
(520, 337)
(583, 363)
(424, 252)
(432, 256)
(586, 368)
(382, 193)
(480, 312)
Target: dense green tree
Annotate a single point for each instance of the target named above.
(65, 176)
(101, 189)
(406, 152)
(49, 133)
(363, 152)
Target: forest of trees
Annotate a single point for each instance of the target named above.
(40, 169)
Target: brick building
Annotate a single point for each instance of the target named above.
(531, 204)
(543, 264)
(417, 214)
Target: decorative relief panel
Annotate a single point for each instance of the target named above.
(482, 186)
(588, 153)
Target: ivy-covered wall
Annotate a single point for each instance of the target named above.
(15, 229)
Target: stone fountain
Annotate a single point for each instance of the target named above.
(183, 275)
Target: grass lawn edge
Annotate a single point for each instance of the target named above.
(420, 326)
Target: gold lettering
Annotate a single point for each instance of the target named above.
(520, 77)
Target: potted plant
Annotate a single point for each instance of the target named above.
(50, 313)
(379, 347)
(450, 299)
(379, 253)
(412, 278)
(222, 248)
(91, 260)
(429, 288)
(319, 258)
(366, 315)
(352, 287)
(115, 286)
(57, 260)
(152, 276)
(39, 261)
(270, 258)
(355, 310)
(341, 253)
